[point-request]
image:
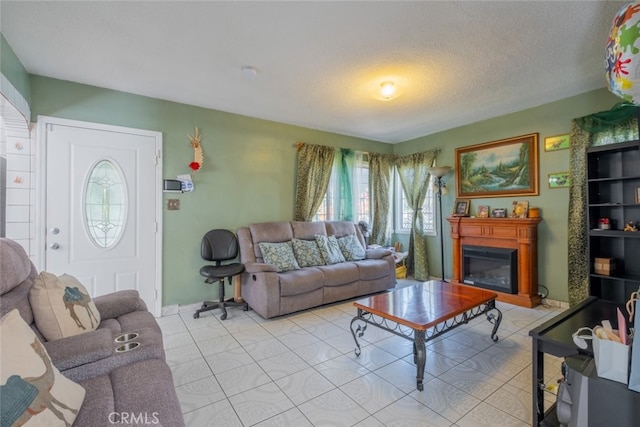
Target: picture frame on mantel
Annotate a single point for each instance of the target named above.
(461, 207)
(504, 168)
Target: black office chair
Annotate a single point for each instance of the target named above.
(218, 246)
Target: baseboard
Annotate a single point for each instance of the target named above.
(555, 303)
(168, 310)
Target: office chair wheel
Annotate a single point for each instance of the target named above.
(196, 315)
(224, 316)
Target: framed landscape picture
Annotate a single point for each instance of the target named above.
(508, 167)
(558, 142)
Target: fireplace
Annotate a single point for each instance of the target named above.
(490, 268)
(518, 234)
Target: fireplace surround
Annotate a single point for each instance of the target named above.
(520, 234)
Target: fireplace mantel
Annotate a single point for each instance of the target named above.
(514, 233)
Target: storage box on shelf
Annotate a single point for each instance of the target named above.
(604, 266)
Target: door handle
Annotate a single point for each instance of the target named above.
(54, 246)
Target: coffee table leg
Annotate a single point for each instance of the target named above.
(358, 332)
(420, 356)
(491, 317)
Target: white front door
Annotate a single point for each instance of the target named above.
(103, 206)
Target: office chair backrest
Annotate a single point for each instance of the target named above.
(219, 245)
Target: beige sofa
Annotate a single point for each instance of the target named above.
(271, 293)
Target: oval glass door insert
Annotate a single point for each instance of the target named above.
(105, 204)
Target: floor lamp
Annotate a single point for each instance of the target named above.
(439, 172)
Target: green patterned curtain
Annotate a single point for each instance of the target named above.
(616, 125)
(380, 167)
(346, 165)
(415, 179)
(314, 171)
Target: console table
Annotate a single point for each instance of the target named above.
(555, 337)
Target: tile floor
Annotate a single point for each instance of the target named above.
(300, 370)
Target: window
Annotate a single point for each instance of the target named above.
(328, 210)
(404, 214)
(105, 204)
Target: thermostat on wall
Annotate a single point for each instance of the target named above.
(172, 185)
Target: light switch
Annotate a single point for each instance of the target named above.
(173, 204)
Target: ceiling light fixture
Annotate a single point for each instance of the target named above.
(249, 71)
(387, 91)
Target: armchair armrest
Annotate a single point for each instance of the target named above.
(116, 304)
(77, 350)
(260, 267)
(376, 253)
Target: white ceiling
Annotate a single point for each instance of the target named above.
(319, 62)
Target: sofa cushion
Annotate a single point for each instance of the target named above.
(307, 253)
(280, 255)
(329, 249)
(62, 306)
(31, 385)
(340, 228)
(307, 230)
(371, 269)
(351, 248)
(137, 394)
(340, 274)
(273, 232)
(14, 265)
(301, 281)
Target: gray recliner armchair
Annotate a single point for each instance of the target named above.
(137, 381)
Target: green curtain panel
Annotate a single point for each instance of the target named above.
(314, 171)
(616, 125)
(415, 179)
(346, 165)
(380, 167)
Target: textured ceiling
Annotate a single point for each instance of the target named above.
(319, 62)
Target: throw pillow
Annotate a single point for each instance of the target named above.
(329, 249)
(62, 306)
(280, 255)
(307, 253)
(33, 391)
(351, 248)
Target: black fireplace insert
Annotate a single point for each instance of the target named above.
(490, 268)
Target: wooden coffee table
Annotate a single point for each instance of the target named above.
(423, 312)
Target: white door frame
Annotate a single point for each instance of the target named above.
(41, 192)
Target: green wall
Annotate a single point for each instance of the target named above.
(248, 174)
(547, 120)
(13, 70)
(249, 170)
